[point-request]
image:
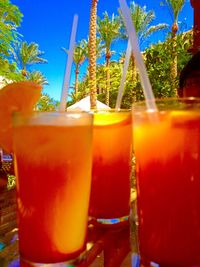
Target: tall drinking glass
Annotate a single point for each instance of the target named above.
(53, 158)
(167, 151)
(110, 191)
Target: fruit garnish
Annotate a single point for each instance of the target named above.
(15, 97)
(110, 118)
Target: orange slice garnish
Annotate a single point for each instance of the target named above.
(18, 96)
(111, 118)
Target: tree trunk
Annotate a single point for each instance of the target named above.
(24, 72)
(92, 55)
(108, 78)
(134, 76)
(76, 82)
(174, 58)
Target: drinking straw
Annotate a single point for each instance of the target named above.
(67, 75)
(125, 68)
(149, 97)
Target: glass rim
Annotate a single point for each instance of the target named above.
(111, 110)
(50, 113)
(168, 103)
(51, 118)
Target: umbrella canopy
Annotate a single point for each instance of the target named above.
(84, 104)
(4, 81)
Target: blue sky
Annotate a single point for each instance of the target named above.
(49, 23)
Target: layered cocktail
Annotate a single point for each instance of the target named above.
(167, 150)
(110, 193)
(53, 158)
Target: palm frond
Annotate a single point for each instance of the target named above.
(108, 28)
(37, 77)
(174, 6)
(143, 20)
(152, 29)
(28, 54)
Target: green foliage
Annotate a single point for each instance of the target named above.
(80, 52)
(142, 20)
(24, 56)
(11, 181)
(158, 57)
(115, 76)
(158, 63)
(10, 19)
(46, 103)
(15, 55)
(9, 71)
(108, 29)
(158, 60)
(184, 44)
(175, 7)
(27, 54)
(37, 77)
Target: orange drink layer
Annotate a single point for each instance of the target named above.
(53, 156)
(167, 150)
(110, 193)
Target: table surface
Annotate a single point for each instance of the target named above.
(109, 247)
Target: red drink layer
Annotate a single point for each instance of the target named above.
(168, 181)
(110, 191)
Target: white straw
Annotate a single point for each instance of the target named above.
(122, 83)
(67, 75)
(150, 100)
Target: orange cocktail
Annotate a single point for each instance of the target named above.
(53, 153)
(167, 150)
(110, 193)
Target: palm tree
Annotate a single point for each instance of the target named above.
(80, 55)
(175, 7)
(37, 77)
(99, 48)
(109, 31)
(46, 103)
(92, 54)
(142, 20)
(27, 54)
